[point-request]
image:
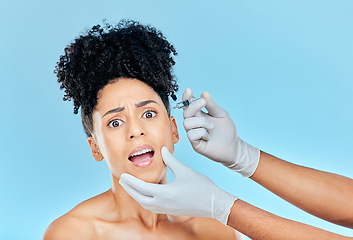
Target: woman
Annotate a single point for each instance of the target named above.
(121, 77)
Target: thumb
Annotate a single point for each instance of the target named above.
(212, 107)
(171, 161)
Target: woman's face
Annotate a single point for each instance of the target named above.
(131, 125)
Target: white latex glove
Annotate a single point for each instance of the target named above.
(214, 135)
(190, 194)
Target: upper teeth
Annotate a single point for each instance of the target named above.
(141, 152)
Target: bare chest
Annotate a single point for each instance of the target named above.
(138, 232)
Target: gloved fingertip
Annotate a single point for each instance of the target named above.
(187, 94)
(121, 182)
(169, 159)
(206, 95)
(122, 176)
(126, 178)
(165, 153)
(164, 149)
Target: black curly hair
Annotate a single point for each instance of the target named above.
(105, 53)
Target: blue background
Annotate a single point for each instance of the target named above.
(282, 69)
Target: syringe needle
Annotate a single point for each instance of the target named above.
(184, 103)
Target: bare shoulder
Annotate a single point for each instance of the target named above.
(69, 226)
(76, 224)
(208, 228)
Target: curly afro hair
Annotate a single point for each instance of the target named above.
(105, 53)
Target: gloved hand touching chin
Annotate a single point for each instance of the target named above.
(190, 194)
(214, 135)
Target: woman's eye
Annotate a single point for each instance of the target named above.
(115, 123)
(149, 114)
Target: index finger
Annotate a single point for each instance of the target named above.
(187, 95)
(194, 108)
(148, 189)
(212, 107)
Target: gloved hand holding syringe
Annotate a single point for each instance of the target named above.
(213, 134)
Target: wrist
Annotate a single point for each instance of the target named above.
(246, 159)
(222, 203)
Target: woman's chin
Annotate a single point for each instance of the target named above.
(156, 178)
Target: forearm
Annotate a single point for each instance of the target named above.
(259, 224)
(325, 195)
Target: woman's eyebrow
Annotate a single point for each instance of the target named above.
(119, 109)
(115, 110)
(143, 103)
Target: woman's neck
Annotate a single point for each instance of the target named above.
(128, 209)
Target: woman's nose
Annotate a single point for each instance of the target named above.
(136, 130)
(134, 135)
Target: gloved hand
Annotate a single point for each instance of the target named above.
(190, 194)
(214, 135)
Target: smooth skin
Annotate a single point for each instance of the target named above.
(325, 195)
(328, 196)
(259, 224)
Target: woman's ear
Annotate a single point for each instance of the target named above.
(97, 155)
(174, 130)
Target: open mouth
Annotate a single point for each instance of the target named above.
(142, 156)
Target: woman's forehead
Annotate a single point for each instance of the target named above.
(126, 90)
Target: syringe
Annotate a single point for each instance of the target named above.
(184, 103)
